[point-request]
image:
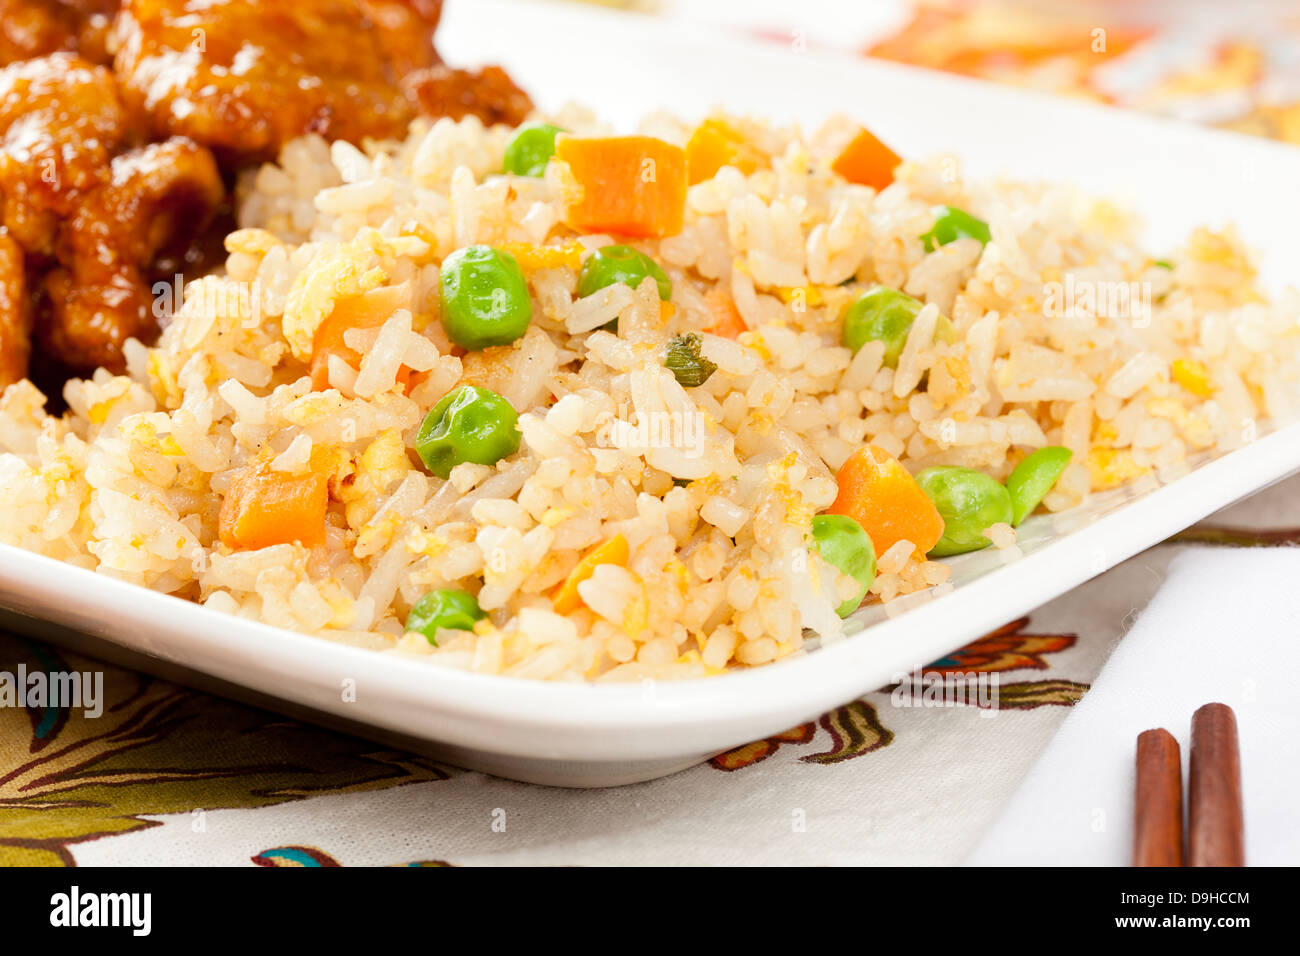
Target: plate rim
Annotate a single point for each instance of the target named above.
(616, 722)
(713, 707)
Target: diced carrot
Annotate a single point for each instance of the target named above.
(632, 185)
(613, 551)
(882, 496)
(368, 310)
(264, 507)
(867, 161)
(726, 317)
(715, 144)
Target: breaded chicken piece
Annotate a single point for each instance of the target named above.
(488, 93)
(32, 28)
(60, 123)
(406, 29)
(76, 200)
(436, 89)
(99, 296)
(244, 77)
(15, 317)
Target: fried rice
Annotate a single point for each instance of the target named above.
(1066, 333)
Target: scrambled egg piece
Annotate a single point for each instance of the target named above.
(1219, 248)
(754, 340)
(335, 272)
(425, 543)
(533, 257)
(1193, 376)
(1109, 467)
(809, 294)
(636, 616)
(949, 380)
(797, 510)
(383, 463)
(163, 381)
(251, 242)
(555, 516)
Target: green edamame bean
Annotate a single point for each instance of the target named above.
(530, 149)
(843, 544)
(1033, 478)
(951, 223)
(886, 315)
(484, 298)
(622, 264)
(445, 608)
(468, 424)
(969, 501)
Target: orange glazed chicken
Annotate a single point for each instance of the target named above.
(88, 210)
(123, 124)
(244, 77)
(32, 28)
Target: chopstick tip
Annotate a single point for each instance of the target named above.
(1156, 733)
(1214, 707)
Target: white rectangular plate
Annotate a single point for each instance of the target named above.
(578, 735)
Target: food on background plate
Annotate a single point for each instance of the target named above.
(435, 405)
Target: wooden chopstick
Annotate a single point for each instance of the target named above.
(1158, 817)
(1215, 824)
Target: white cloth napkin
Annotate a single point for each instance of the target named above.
(1225, 626)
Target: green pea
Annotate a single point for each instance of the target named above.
(622, 264)
(530, 149)
(950, 224)
(886, 315)
(468, 424)
(843, 544)
(484, 298)
(684, 359)
(1033, 478)
(969, 501)
(446, 608)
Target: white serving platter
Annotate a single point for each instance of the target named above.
(578, 735)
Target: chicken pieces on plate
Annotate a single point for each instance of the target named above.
(32, 28)
(90, 211)
(123, 122)
(157, 197)
(15, 311)
(243, 77)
